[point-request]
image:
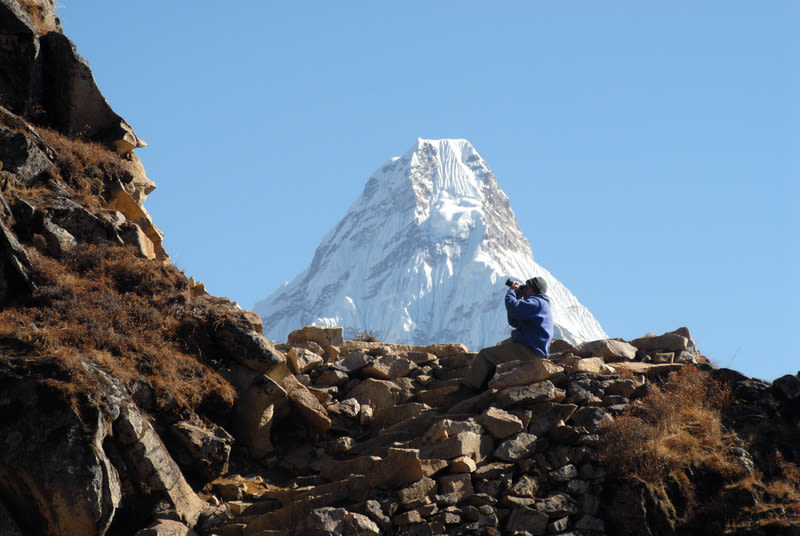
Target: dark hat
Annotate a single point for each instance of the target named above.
(538, 284)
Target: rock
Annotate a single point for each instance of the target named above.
(422, 488)
(302, 360)
(421, 358)
(557, 505)
(321, 335)
(590, 523)
(591, 418)
(54, 473)
(201, 451)
(21, 156)
(166, 527)
(332, 377)
(8, 527)
(560, 346)
(526, 486)
(346, 408)
(520, 446)
(563, 474)
(610, 350)
(462, 444)
(543, 391)
(621, 387)
(548, 415)
(389, 366)
(374, 510)
(500, 423)
(124, 201)
(306, 405)
(459, 484)
(328, 520)
(149, 462)
(463, 464)
(564, 434)
(590, 365)
(676, 341)
(527, 520)
(398, 413)
(15, 278)
(493, 470)
(786, 387)
(523, 373)
(380, 394)
(400, 467)
(238, 335)
(260, 404)
(353, 362)
(632, 506)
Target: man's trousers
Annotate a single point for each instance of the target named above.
(482, 368)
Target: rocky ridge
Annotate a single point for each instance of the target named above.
(133, 402)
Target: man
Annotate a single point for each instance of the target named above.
(529, 314)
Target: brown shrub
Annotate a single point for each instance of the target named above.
(674, 427)
(86, 167)
(107, 305)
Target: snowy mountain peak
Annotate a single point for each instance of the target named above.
(421, 257)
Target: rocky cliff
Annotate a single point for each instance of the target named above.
(132, 402)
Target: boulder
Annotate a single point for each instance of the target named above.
(380, 394)
(458, 484)
(306, 405)
(591, 418)
(787, 387)
(520, 446)
(202, 452)
(22, 156)
(302, 360)
(166, 527)
(15, 278)
(387, 367)
(55, 477)
(419, 490)
(523, 372)
(589, 365)
(674, 341)
(528, 520)
(610, 350)
(543, 391)
(321, 335)
(261, 403)
(462, 444)
(500, 423)
(150, 464)
(128, 201)
(329, 520)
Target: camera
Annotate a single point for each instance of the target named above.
(510, 283)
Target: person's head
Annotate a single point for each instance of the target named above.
(535, 286)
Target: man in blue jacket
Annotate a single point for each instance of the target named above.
(529, 314)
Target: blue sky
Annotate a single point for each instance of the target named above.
(649, 149)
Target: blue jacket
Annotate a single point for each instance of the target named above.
(533, 321)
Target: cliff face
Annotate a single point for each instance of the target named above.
(132, 402)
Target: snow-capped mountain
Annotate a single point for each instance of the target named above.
(421, 257)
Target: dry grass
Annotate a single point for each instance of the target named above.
(86, 168)
(675, 439)
(672, 428)
(111, 307)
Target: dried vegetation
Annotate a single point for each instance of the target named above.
(677, 439)
(108, 306)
